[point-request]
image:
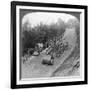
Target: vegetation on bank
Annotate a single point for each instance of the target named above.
(45, 34)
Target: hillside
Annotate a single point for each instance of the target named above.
(33, 68)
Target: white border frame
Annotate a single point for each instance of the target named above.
(58, 79)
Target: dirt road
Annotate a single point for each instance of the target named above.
(33, 68)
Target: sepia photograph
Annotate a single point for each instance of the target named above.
(49, 44)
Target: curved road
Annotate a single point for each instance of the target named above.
(33, 67)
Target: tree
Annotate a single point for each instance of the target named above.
(40, 34)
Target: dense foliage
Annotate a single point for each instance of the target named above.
(40, 34)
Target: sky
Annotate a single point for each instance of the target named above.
(45, 17)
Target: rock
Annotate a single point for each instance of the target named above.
(48, 60)
(35, 53)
